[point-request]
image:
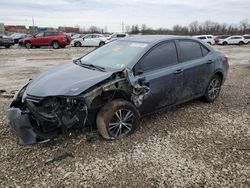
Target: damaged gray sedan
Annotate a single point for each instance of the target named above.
(115, 85)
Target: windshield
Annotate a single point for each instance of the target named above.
(115, 55)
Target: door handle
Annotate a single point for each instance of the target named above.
(210, 61)
(178, 71)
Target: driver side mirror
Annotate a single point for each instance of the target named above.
(83, 39)
(138, 70)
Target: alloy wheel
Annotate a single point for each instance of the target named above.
(121, 123)
(214, 88)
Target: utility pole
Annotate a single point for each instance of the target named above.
(33, 21)
(122, 27)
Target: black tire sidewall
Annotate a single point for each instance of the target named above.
(78, 44)
(56, 43)
(27, 46)
(207, 98)
(107, 112)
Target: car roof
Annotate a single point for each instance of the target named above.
(154, 38)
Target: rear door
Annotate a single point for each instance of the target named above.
(160, 68)
(197, 64)
(48, 37)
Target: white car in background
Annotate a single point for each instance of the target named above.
(235, 39)
(206, 38)
(89, 40)
(116, 36)
(247, 38)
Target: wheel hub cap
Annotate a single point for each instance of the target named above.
(121, 123)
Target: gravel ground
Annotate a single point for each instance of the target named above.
(192, 145)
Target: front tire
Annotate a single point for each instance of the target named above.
(224, 43)
(117, 119)
(28, 45)
(213, 89)
(78, 44)
(101, 44)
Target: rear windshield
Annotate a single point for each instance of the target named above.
(116, 55)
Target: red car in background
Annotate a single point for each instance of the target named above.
(56, 39)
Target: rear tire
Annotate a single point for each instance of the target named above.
(241, 43)
(117, 119)
(28, 45)
(213, 89)
(55, 45)
(7, 46)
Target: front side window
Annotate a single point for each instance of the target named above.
(189, 50)
(161, 56)
(87, 37)
(39, 35)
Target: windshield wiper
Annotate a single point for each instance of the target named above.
(87, 65)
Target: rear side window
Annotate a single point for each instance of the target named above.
(189, 50)
(120, 35)
(161, 56)
(236, 38)
(204, 50)
(50, 33)
(202, 38)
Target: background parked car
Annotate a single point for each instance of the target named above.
(6, 41)
(235, 39)
(20, 42)
(216, 38)
(56, 39)
(206, 38)
(116, 36)
(19, 36)
(247, 38)
(89, 40)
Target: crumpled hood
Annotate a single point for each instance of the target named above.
(67, 79)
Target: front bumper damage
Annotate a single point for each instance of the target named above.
(35, 119)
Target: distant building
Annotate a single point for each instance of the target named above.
(69, 29)
(15, 28)
(2, 30)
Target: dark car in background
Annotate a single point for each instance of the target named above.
(18, 36)
(6, 41)
(114, 86)
(56, 39)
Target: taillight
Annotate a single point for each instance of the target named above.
(226, 58)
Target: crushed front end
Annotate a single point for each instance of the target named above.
(36, 119)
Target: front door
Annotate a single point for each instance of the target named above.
(161, 69)
(37, 40)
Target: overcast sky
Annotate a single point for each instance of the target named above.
(111, 13)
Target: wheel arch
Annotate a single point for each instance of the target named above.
(108, 96)
(220, 74)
